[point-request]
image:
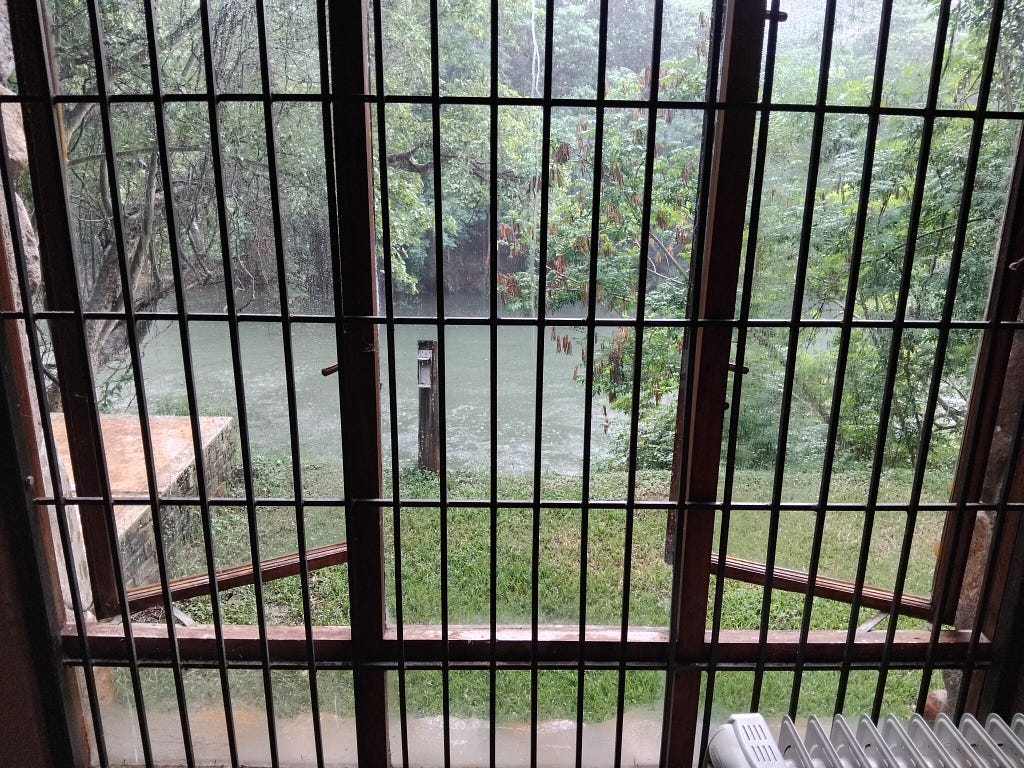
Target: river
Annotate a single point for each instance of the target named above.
(466, 381)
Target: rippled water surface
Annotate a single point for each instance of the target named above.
(467, 391)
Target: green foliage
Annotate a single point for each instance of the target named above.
(888, 260)
(882, 273)
(970, 21)
(570, 226)
(581, 260)
(655, 440)
(618, 249)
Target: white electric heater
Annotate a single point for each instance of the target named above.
(746, 740)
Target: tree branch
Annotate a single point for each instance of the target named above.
(404, 162)
(668, 254)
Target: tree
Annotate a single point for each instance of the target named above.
(884, 248)
(461, 162)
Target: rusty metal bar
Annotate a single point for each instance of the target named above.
(41, 724)
(790, 580)
(558, 646)
(983, 407)
(996, 473)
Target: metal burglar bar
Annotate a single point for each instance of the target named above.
(794, 331)
(14, 346)
(140, 394)
(947, 313)
(546, 553)
(389, 304)
(866, 178)
(69, 335)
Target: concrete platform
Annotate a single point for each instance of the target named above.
(174, 458)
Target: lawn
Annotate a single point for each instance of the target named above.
(558, 574)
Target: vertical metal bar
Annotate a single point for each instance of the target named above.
(30, 631)
(956, 259)
(189, 371)
(31, 592)
(842, 357)
(289, 374)
(793, 341)
(988, 390)
(689, 685)
(712, 345)
(128, 299)
(998, 588)
(538, 415)
(70, 340)
(438, 239)
(1003, 346)
(355, 284)
(650, 146)
(958, 532)
(722, 10)
(753, 227)
(238, 377)
(591, 346)
(389, 313)
(492, 249)
(894, 347)
(998, 621)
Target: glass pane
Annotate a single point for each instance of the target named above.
(555, 704)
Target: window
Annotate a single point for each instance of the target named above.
(757, 318)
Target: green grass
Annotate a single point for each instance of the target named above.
(558, 572)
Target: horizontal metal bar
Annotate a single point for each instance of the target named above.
(556, 644)
(791, 580)
(651, 644)
(273, 568)
(434, 666)
(596, 503)
(828, 646)
(523, 101)
(530, 322)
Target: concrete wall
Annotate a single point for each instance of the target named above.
(138, 542)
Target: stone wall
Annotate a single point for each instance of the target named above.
(174, 459)
(138, 543)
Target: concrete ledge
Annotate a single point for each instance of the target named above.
(175, 475)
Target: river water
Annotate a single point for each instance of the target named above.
(466, 381)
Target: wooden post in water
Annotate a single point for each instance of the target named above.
(426, 381)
